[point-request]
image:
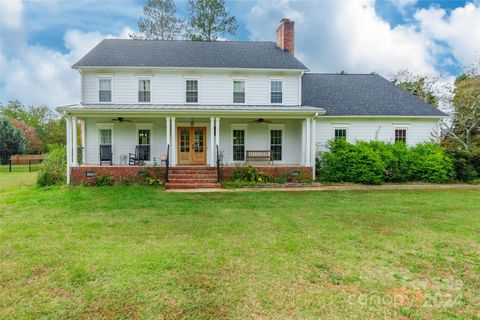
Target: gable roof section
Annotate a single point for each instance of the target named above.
(362, 95)
(189, 54)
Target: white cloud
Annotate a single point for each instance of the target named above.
(11, 14)
(345, 35)
(460, 29)
(403, 4)
(38, 75)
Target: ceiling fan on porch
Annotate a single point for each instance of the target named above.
(261, 120)
(121, 120)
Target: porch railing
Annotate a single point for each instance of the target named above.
(167, 163)
(218, 164)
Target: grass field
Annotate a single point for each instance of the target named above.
(139, 252)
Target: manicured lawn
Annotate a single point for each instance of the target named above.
(139, 252)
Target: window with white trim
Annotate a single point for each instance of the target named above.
(105, 136)
(238, 91)
(143, 90)
(144, 144)
(341, 133)
(238, 143)
(105, 90)
(276, 144)
(401, 135)
(191, 91)
(276, 91)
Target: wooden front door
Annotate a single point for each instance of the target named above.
(192, 145)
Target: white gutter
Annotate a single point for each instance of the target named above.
(388, 116)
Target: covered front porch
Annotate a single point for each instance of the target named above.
(114, 140)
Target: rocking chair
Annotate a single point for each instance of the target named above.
(138, 158)
(106, 154)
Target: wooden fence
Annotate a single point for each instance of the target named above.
(24, 162)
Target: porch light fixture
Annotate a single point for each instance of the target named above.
(192, 123)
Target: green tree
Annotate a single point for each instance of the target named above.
(423, 86)
(11, 140)
(49, 127)
(33, 143)
(465, 128)
(160, 21)
(209, 19)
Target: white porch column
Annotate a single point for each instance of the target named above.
(69, 146)
(84, 143)
(313, 147)
(303, 142)
(308, 143)
(168, 134)
(74, 142)
(212, 141)
(173, 143)
(217, 135)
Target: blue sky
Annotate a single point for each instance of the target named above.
(41, 39)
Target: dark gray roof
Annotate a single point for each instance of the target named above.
(189, 54)
(361, 95)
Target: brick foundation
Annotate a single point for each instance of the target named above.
(87, 174)
(301, 173)
(117, 173)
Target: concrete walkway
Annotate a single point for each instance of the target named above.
(343, 187)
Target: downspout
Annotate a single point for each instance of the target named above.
(300, 88)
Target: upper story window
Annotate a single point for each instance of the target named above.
(276, 91)
(341, 134)
(238, 91)
(105, 90)
(143, 90)
(192, 91)
(401, 135)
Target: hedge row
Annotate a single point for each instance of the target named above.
(377, 162)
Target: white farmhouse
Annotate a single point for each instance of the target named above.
(195, 106)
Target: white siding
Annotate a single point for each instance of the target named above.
(90, 88)
(258, 138)
(418, 130)
(124, 138)
(215, 87)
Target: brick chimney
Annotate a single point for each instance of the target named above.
(286, 35)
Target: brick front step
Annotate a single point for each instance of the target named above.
(187, 174)
(193, 168)
(192, 185)
(190, 171)
(189, 181)
(192, 178)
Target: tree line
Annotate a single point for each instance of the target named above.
(208, 20)
(462, 131)
(28, 130)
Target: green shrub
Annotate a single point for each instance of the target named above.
(429, 162)
(101, 181)
(346, 162)
(466, 164)
(53, 169)
(250, 174)
(152, 181)
(375, 162)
